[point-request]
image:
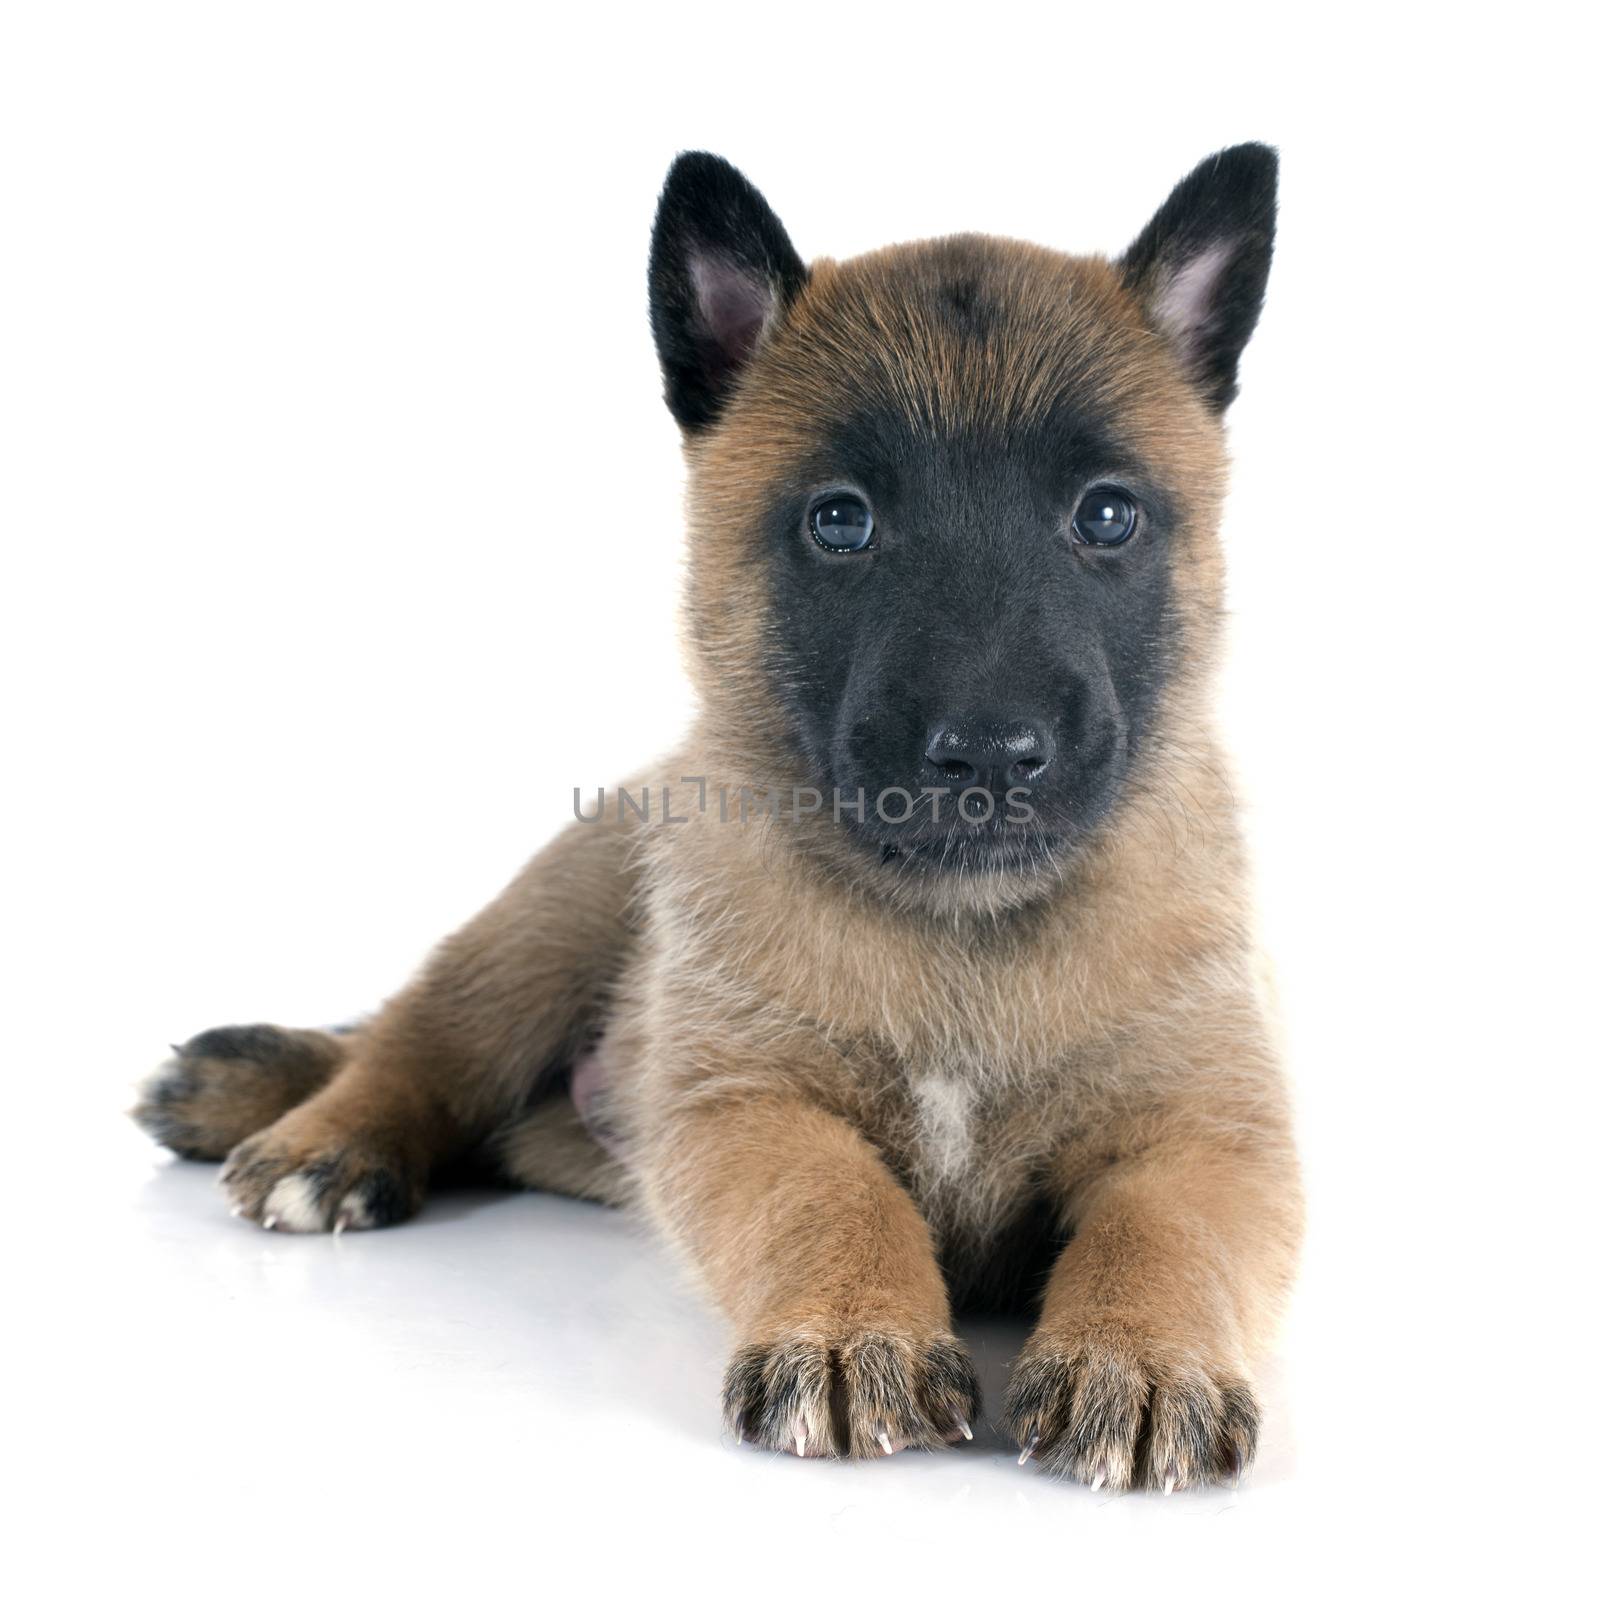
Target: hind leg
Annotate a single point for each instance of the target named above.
(228, 1083)
(357, 1154)
(551, 1149)
(330, 1168)
(494, 1018)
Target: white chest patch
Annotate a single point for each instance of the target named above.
(944, 1122)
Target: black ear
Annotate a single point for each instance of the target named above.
(1200, 267)
(722, 271)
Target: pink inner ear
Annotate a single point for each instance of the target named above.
(734, 304)
(1185, 302)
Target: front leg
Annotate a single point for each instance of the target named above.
(827, 1270)
(1138, 1371)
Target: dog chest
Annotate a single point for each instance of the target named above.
(946, 1114)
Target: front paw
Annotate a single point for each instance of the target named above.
(862, 1393)
(1113, 1408)
(299, 1182)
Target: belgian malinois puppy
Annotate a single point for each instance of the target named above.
(922, 973)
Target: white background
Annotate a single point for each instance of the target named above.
(341, 537)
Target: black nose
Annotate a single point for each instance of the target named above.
(968, 752)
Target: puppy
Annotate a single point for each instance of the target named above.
(921, 975)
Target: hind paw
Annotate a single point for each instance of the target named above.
(225, 1084)
(295, 1185)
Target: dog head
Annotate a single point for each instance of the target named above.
(953, 511)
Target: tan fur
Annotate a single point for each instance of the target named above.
(814, 1129)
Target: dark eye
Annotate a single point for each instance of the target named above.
(842, 522)
(1104, 516)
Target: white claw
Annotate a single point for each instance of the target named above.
(236, 1211)
(966, 1431)
(1027, 1450)
(1170, 1484)
(1098, 1484)
(883, 1439)
(269, 1221)
(341, 1223)
(799, 1438)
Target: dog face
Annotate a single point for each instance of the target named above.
(953, 509)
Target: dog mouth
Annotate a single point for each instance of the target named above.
(959, 843)
(972, 851)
